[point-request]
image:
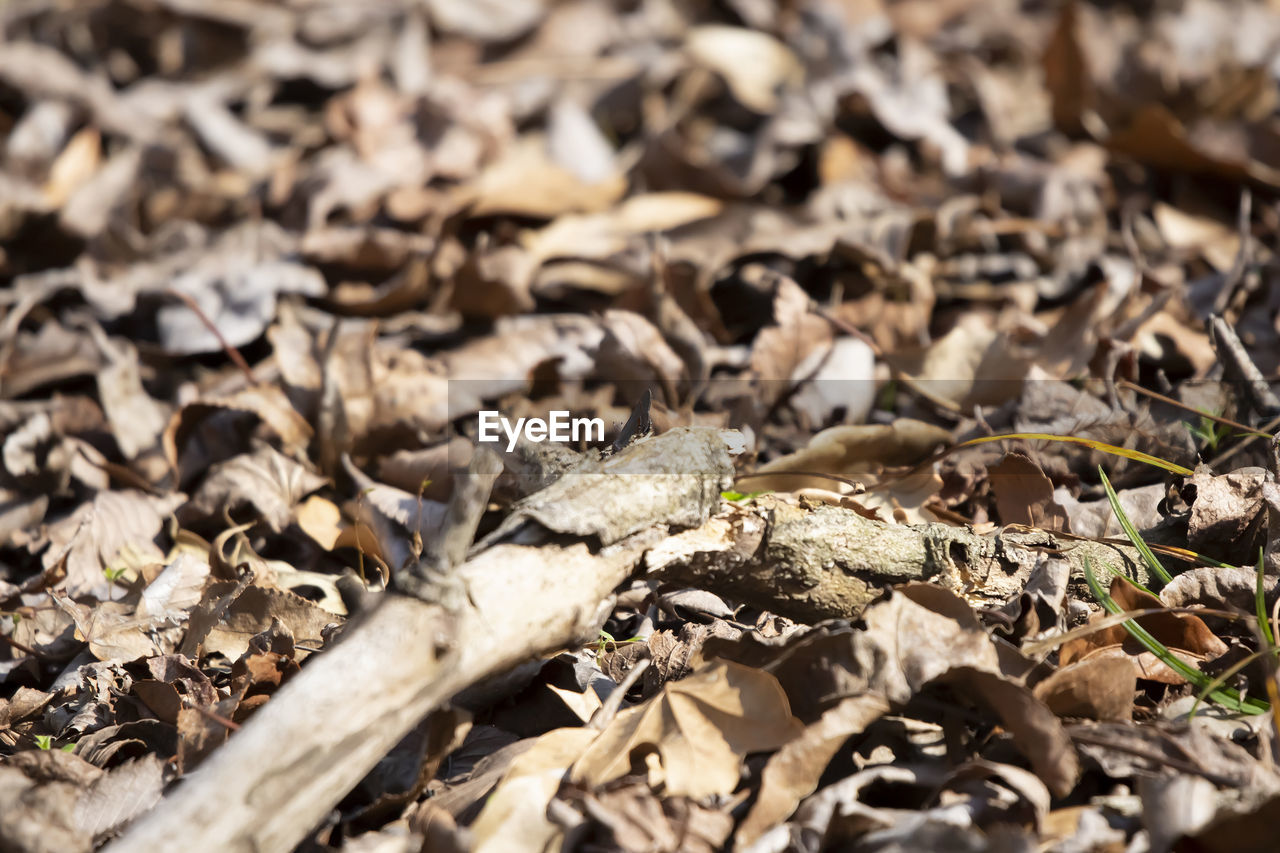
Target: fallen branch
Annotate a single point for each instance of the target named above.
(277, 778)
(827, 562)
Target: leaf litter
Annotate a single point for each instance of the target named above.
(876, 303)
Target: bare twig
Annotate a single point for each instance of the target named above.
(1235, 359)
(1125, 383)
(1158, 758)
(217, 718)
(428, 578)
(1244, 256)
(848, 481)
(22, 647)
(232, 353)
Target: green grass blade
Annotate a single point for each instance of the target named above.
(1225, 697)
(1227, 674)
(1260, 606)
(1130, 581)
(1132, 532)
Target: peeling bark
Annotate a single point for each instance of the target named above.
(826, 562)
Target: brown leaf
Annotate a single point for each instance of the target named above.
(1183, 631)
(217, 427)
(1101, 688)
(780, 351)
(110, 629)
(266, 480)
(1228, 515)
(852, 451)
(137, 420)
(701, 727)
(116, 530)
(517, 808)
(120, 795)
(1066, 71)
(225, 624)
(1036, 731)
(40, 817)
(1024, 495)
(1156, 136)
(524, 181)
(640, 820)
(794, 770)
(753, 64)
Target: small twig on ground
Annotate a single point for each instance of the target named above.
(22, 647)
(1131, 386)
(848, 481)
(428, 579)
(232, 353)
(217, 718)
(1235, 358)
(1159, 758)
(1244, 256)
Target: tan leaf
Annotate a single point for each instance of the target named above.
(267, 480)
(702, 727)
(1024, 495)
(1098, 688)
(794, 770)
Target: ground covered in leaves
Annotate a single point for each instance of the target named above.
(262, 265)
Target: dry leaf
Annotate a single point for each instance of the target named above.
(701, 727)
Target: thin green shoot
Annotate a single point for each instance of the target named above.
(1226, 675)
(887, 399)
(45, 742)
(1227, 697)
(1148, 555)
(1210, 432)
(1260, 607)
(606, 642)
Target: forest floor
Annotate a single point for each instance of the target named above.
(914, 362)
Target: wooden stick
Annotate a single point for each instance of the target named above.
(274, 780)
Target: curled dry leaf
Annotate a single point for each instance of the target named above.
(1228, 516)
(213, 428)
(111, 630)
(227, 619)
(1184, 634)
(116, 531)
(266, 480)
(517, 808)
(1100, 688)
(793, 771)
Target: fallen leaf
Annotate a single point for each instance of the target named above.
(701, 727)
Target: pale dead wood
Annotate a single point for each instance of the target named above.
(828, 562)
(297, 757)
